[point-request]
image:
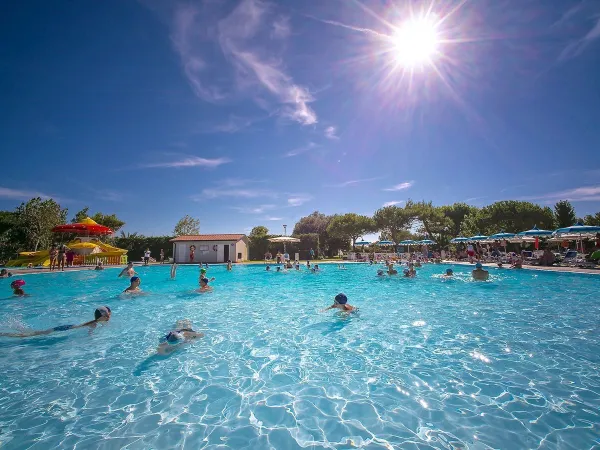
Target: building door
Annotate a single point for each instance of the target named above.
(225, 252)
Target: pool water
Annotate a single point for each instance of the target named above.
(512, 363)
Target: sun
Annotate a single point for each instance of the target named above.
(415, 43)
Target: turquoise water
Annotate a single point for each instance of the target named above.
(512, 363)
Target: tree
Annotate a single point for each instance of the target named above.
(81, 215)
(564, 214)
(457, 214)
(350, 227)
(510, 216)
(259, 242)
(434, 222)
(592, 220)
(35, 220)
(313, 223)
(187, 226)
(111, 221)
(394, 221)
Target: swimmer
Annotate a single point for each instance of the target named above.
(17, 287)
(229, 265)
(268, 269)
(479, 273)
(173, 270)
(380, 273)
(308, 264)
(278, 269)
(449, 273)
(406, 273)
(134, 287)
(174, 339)
(128, 271)
(297, 265)
(102, 314)
(99, 266)
(418, 263)
(517, 264)
(499, 265)
(5, 273)
(316, 268)
(391, 270)
(340, 302)
(411, 270)
(204, 287)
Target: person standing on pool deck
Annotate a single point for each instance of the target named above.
(102, 314)
(53, 257)
(146, 256)
(479, 273)
(470, 252)
(62, 256)
(340, 302)
(127, 270)
(162, 256)
(312, 254)
(134, 287)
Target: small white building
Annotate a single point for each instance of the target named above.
(210, 248)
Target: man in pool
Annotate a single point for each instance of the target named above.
(5, 273)
(380, 273)
(174, 339)
(449, 273)
(268, 268)
(134, 287)
(128, 271)
(479, 273)
(341, 302)
(204, 287)
(391, 270)
(102, 314)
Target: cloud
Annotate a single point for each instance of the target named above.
(281, 28)
(233, 125)
(580, 13)
(579, 194)
(190, 161)
(353, 182)
(393, 203)
(300, 150)
(17, 194)
(273, 218)
(298, 200)
(472, 199)
(240, 193)
(253, 209)
(330, 133)
(401, 186)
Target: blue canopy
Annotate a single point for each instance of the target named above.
(578, 228)
(385, 243)
(535, 231)
(502, 235)
(408, 242)
(477, 238)
(362, 243)
(426, 242)
(459, 239)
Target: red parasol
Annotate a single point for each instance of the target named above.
(86, 227)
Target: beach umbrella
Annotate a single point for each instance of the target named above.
(408, 242)
(284, 240)
(426, 242)
(362, 243)
(502, 236)
(459, 239)
(477, 238)
(384, 243)
(535, 231)
(580, 230)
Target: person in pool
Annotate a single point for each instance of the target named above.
(380, 273)
(173, 270)
(340, 302)
(268, 269)
(127, 271)
(449, 273)
(134, 287)
(204, 287)
(391, 270)
(479, 273)
(5, 273)
(316, 269)
(174, 339)
(17, 287)
(99, 266)
(411, 270)
(102, 314)
(229, 265)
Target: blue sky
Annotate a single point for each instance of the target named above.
(253, 112)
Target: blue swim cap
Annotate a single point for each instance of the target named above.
(478, 266)
(134, 279)
(341, 299)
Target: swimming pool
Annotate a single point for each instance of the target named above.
(426, 363)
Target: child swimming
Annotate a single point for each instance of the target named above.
(341, 302)
(17, 287)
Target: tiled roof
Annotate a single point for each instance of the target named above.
(209, 237)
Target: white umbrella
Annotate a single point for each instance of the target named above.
(284, 240)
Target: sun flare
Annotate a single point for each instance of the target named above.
(415, 43)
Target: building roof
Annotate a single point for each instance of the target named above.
(209, 237)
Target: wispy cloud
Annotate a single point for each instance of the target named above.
(238, 193)
(233, 125)
(393, 203)
(330, 133)
(189, 161)
(253, 209)
(353, 182)
(273, 218)
(579, 194)
(585, 12)
(401, 186)
(281, 28)
(18, 194)
(472, 199)
(367, 31)
(300, 150)
(298, 200)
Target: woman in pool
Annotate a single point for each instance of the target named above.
(102, 314)
(204, 287)
(229, 265)
(134, 287)
(380, 273)
(268, 269)
(174, 339)
(341, 302)
(17, 287)
(391, 270)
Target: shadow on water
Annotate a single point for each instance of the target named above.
(148, 364)
(33, 341)
(339, 322)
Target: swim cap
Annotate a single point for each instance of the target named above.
(202, 270)
(341, 299)
(478, 266)
(134, 279)
(173, 337)
(102, 311)
(406, 271)
(17, 283)
(449, 271)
